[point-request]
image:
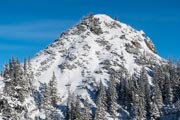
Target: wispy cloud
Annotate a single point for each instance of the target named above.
(10, 47)
(43, 29)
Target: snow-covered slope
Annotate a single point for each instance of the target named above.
(89, 51)
(1, 83)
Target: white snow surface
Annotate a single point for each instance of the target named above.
(1, 84)
(77, 57)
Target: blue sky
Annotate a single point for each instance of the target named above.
(29, 26)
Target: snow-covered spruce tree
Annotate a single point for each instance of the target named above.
(112, 96)
(177, 105)
(8, 88)
(16, 90)
(157, 99)
(6, 112)
(145, 92)
(124, 96)
(74, 110)
(137, 107)
(29, 76)
(77, 115)
(46, 105)
(174, 81)
(11, 67)
(100, 113)
(167, 87)
(132, 93)
(49, 97)
(5, 73)
(45, 97)
(160, 76)
(87, 110)
(17, 85)
(53, 91)
(25, 66)
(157, 91)
(121, 93)
(177, 90)
(178, 71)
(69, 115)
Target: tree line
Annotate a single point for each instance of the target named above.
(151, 93)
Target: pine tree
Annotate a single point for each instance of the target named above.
(177, 105)
(29, 76)
(6, 73)
(45, 97)
(138, 107)
(124, 95)
(145, 92)
(112, 96)
(15, 91)
(177, 91)
(70, 107)
(157, 95)
(47, 104)
(11, 67)
(17, 70)
(16, 85)
(178, 71)
(101, 103)
(25, 66)
(53, 91)
(157, 92)
(87, 114)
(132, 93)
(174, 81)
(21, 82)
(168, 95)
(78, 115)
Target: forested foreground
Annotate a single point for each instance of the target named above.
(134, 96)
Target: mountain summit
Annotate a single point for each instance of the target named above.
(90, 52)
(92, 49)
(99, 69)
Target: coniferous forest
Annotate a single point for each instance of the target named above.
(134, 94)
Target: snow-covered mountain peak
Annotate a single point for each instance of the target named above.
(100, 65)
(90, 51)
(103, 17)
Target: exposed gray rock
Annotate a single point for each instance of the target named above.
(150, 45)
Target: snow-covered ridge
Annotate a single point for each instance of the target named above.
(89, 50)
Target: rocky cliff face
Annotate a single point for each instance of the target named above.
(150, 45)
